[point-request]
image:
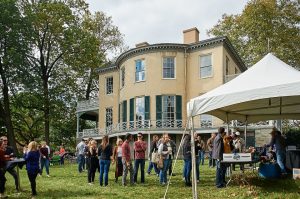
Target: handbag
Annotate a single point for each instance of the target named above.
(154, 157)
(160, 163)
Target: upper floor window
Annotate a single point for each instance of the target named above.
(227, 66)
(139, 70)
(205, 121)
(109, 85)
(122, 77)
(168, 67)
(108, 117)
(205, 66)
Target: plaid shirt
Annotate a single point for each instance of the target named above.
(140, 149)
(126, 151)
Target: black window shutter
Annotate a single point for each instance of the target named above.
(131, 110)
(179, 110)
(147, 107)
(158, 110)
(124, 111)
(119, 114)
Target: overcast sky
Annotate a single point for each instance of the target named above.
(162, 21)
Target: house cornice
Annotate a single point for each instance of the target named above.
(175, 47)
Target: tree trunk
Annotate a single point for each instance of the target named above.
(7, 119)
(46, 109)
(5, 109)
(89, 86)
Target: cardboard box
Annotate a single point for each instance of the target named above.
(237, 157)
(296, 174)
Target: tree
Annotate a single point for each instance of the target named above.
(110, 42)
(14, 31)
(60, 47)
(264, 21)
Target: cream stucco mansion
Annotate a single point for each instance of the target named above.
(147, 88)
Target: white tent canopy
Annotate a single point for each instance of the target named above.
(270, 89)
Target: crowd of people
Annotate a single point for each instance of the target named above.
(122, 155)
(36, 156)
(129, 157)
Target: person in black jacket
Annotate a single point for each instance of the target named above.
(153, 149)
(218, 150)
(9, 151)
(187, 156)
(93, 161)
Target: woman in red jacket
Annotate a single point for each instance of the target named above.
(3, 159)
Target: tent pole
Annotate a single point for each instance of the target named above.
(194, 179)
(227, 122)
(245, 132)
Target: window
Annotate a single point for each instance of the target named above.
(108, 117)
(205, 66)
(139, 70)
(140, 111)
(140, 108)
(109, 85)
(122, 77)
(168, 67)
(205, 121)
(168, 109)
(235, 70)
(227, 66)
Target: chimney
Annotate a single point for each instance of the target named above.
(191, 36)
(143, 44)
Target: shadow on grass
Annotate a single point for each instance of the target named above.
(286, 184)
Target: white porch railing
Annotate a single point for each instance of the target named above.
(162, 125)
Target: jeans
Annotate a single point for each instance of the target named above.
(104, 168)
(163, 172)
(152, 165)
(45, 162)
(15, 175)
(62, 160)
(211, 162)
(220, 174)
(137, 163)
(80, 160)
(280, 156)
(2, 180)
(127, 169)
(32, 177)
(201, 156)
(170, 166)
(187, 170)
(197, 166)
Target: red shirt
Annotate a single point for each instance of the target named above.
(126, 151)
(140, 148)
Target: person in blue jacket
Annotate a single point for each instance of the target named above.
(32, 156)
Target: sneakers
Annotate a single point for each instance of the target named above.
(48, 176)
(90, 183)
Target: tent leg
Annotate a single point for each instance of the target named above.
(194, 179)
(245, 132)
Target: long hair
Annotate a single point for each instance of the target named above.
(118, 141)
(91, 145)
(32, 146)
(104, 142)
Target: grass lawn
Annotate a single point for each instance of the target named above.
(66, 182)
